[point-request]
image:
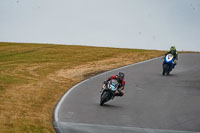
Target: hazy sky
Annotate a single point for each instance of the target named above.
(147, 24)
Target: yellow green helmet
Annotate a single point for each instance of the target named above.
(173, 48)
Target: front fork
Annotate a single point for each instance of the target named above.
(104, 86)
(102, 89)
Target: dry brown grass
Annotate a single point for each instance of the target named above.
(33, 78)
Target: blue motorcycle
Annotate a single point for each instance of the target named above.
(168, 64)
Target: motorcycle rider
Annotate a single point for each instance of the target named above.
(174, 52)
(120, 79)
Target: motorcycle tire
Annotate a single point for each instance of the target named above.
(104, 98)
(166, 69)
(163, 73)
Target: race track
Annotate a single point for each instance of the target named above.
(152, 103)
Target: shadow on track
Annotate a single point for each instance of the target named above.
(110, 106)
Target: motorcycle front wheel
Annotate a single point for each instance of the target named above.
(104, 98)
(165, 69)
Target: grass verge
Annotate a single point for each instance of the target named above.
(33, 77)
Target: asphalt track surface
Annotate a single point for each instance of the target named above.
(152, 103)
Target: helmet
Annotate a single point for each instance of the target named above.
(173, 49)
(121, 76)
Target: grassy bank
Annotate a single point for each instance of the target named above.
(33, 77)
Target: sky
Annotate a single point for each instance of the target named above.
(143, 24)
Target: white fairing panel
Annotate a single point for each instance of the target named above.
(169, 57)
